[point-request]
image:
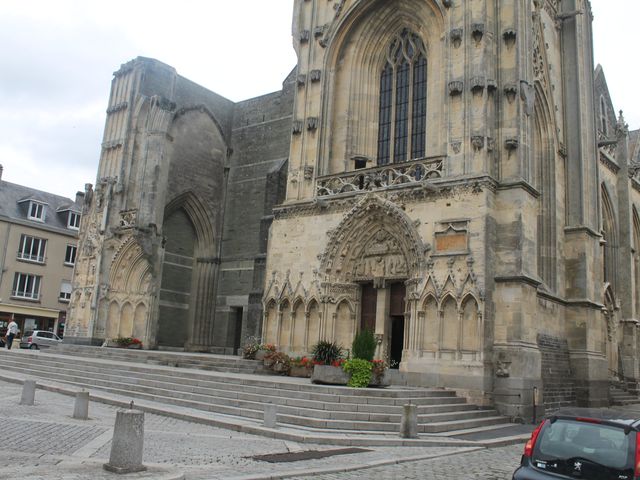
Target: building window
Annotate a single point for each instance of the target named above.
(32, 249)
(26, 286)
(74, 220)
(36, 211)
(65, 291)
(402, 117)
(70, 255)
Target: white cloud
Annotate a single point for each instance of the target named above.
(58, 57)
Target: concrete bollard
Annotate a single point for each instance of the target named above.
(271, 415)
(127, 444)
(28, 392)
(409, 424)
(81, 407)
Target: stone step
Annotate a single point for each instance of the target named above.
(222, 386)
(300, 404)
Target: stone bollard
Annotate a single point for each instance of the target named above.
(28, 392)
(271, 415)
(81, 408)
(409, 424)
(127, 443)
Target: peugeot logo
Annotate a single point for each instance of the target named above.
(577, 466)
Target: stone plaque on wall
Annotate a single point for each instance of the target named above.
(454, 238)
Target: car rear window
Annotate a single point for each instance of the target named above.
(590, 450)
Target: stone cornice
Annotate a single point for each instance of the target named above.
(522, 278)
(582, 229)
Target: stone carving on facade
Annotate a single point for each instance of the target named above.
(308, 172)
(477, 141)
(502, 366)
(456, 37)
(528, 97)
(510, 91)
(456, 87)
(315, 75)
(312, 123)
(302, 80)
(456, 147)
(511, 143)
(477, 84)
(128, 219)
(304, 36)
(374, 239)
(296, 127)
(402, 174)
(509, 37)
(477, 32)
(117, 108)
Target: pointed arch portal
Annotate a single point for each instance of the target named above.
(377, 249)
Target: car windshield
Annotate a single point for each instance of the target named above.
(588, 450)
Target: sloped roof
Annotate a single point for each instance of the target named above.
(13, 205)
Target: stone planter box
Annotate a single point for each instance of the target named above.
(137, 346)
(328, 375)
(302, 372)
(280, 368)
(260, 355)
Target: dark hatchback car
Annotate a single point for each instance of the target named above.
(590, 444)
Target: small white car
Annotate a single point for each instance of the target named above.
(39, 339)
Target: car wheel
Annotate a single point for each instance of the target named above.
(33, 347)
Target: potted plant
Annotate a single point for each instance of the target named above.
(378, 371)
(301, 367)
(264, 349)
(279, 362)
(327, 359)
(250, 349)
(127, 342)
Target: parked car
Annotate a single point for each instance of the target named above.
(583, 443)
(39, 339)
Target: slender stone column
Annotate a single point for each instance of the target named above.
(382, 313)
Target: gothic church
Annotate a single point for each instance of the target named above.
(448, 173)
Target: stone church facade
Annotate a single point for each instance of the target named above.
(449, 174)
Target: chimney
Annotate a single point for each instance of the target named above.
(1, 169)
(80, 198)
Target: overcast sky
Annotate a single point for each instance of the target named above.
(57, 59)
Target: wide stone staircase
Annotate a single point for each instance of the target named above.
(230, 386)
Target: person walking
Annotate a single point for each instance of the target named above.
(12, 331)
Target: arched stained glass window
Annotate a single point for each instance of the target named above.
(403, 101)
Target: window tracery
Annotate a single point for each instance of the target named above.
(403, 100)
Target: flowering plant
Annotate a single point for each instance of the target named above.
(126, 341)
(250, 348)
(378, 368)
(269, 347)
(302, 362)
(338, 363)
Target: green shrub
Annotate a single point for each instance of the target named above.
(364, 345)
(360, 371)
(326, 353)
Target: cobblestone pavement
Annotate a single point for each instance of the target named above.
(44, 442)
(487, 464)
